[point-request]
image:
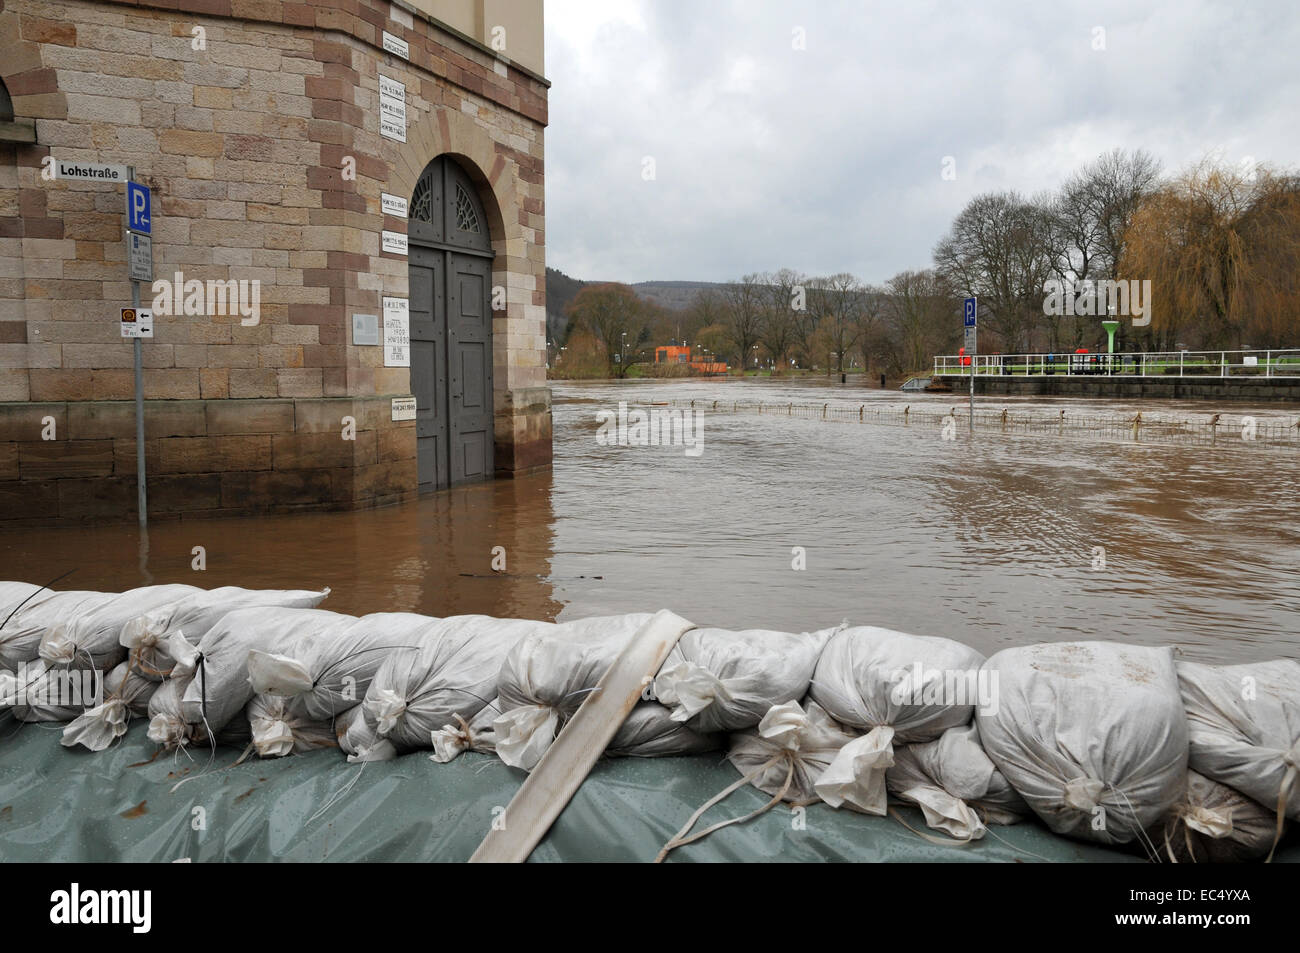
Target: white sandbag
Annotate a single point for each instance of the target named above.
(20, 638)
(92, 639)
(15, 594)
(476, 734)
(220, 687)
(334, 674)
(168, 727)
(1212, 823)
(789, 751)
(146, 637)
(126, 695)
(167, 724)
(956, 785)
(649, 731)
(546, 677)
(451, 674)
(277, 730)
(719, 680)
(898, 688)
(1091, 734)
(39, 693)
(1244, 728)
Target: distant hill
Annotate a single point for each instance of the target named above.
(561, 290)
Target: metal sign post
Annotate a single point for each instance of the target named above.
(138, 222)
(969, 321)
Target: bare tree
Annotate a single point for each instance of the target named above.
(837, 303)
(743, 314)
(999, 249)
(785, 305)
(923, 313)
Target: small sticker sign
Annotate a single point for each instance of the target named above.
(397, 47)
(392, 204)
(365, 329)
(403, 408)
(137, 323)
(397, 332)
(393, 242)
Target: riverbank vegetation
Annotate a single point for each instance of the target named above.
(1219, 243)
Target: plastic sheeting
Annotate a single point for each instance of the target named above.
(60, 804)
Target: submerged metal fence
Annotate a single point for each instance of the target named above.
(1213, 430)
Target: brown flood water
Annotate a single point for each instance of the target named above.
(991, 543)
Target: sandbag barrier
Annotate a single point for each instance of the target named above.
(1104, 742)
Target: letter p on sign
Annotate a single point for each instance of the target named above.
(137, 208)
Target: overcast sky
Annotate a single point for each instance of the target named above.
(830, 158)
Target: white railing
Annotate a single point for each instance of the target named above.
(1266, 364)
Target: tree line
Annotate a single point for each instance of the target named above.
(1216, 246)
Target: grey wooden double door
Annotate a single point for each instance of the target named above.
(450, 272)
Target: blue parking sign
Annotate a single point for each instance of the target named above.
(137, 208)
(970, 313)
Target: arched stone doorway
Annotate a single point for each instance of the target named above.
(449, 269)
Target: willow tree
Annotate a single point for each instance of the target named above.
(1219, 245)
(613, 315)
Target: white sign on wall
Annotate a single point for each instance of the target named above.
(392, 109)
(396, 46)
(392, 204)
(393, 242)
(403, 408)
(397, 332)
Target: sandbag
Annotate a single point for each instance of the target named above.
(546, 677)
(450, 674)
(1244, 728)
(957, 787)
(476, 734)
(167, 713)
(332, 675)
(20, 638)
(897, 688)
(789, 750)
(277, 730)
(39, 693)
(719, 680)
(1091, 734)
(15, 594)
(92, 639)
(220, 687)
(126, 695)
(1212, 823)
(146, 637)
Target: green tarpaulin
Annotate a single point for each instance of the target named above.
(69, 804)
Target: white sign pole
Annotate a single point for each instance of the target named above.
(142, 493)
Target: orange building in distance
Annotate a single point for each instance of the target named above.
(681, 354)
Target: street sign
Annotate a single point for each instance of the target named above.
(970, 312)
(970, 340)
(137, 323)
(90, 171)
(137, 208)
(139, 257)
